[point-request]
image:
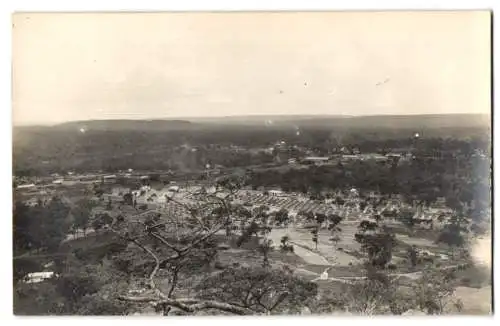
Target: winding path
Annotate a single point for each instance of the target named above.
(309, 256)
(312, 257)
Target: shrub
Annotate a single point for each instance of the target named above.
(428, 259)
(392, 267)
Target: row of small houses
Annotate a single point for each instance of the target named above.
(350, 209)
(274, 199)
(71, 179)
(318, 160)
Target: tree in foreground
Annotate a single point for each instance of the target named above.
(433, 292)
(187, 243)
(379, 293)
(81, 215)
(333, 226)
(377, 241)
(315, 237)
(285, 245)
(260, 290)
(454, 233)
(41, 227)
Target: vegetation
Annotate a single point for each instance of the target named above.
(377, 241)
(217, 256)
(41, 227)
(169, 147)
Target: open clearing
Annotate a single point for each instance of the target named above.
(476, 301)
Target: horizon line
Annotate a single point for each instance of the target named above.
(184, 118)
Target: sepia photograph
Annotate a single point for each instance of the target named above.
(330, 163)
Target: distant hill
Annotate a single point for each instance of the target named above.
(430, 121)
(111, 125)
(262, 119)
(156, 144)
(411, 121)
(126, 124)
(371, 122)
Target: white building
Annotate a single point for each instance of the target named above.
(316, 159)
(26, 186)
(38, 277)
(173, 189)
(277, 193)
(354, 192)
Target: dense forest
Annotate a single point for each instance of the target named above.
(157, 146)
(467, 179)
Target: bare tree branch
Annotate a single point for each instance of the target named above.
(164, 241)
(191, 211)
(151, 253)
(173, 284)
(193, 305)
(279, 300)
(203, 238)
(200, 232)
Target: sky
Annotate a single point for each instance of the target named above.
(69, 67)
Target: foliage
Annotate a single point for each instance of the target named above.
(333, 222)
(165, 251)
(281, 216)
(24, 266)
(24, 233)
(407, 218)
(85, 290)
(433, 290)
(265, 247)
(42, 226)
(375, 294)
(97, 305)
(259, 289)
(73, 286)
(454, 231)
(371, 296)
(377, 241)
(128, 199)
(320, 218)
(285, 245)
(315, 236)
(254, 223)
(412, 255)
(81, 214)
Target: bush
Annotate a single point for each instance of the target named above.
(392, 267)
(427, 259)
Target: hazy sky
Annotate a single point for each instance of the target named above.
(107, 66)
